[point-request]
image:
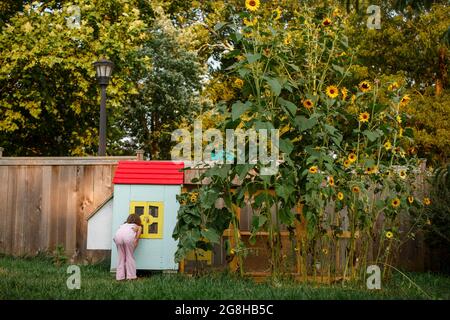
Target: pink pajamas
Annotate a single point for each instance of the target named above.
(124, 239)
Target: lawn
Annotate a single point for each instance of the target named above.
(38, 278)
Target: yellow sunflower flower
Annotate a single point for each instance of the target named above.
(325, 251)
(389, 235)
(399, 119)
(332, 91)
(426, 201)
(340, 196)
(308, 104)
(356, 189)
(347, 163)
(365, 86)
(344, 92)
(239, 83)
(371, 170)
(326, 22)
(288, 39)
(395, 202)
(252, 5)
(313, 170)
(364, 117)
(276, 14)
(402, 174)
(405, 100)
(352, 157)
(393, 86)
(387, 145)
(331, 181)
(410, 199)
(194, 197)
(250, 23)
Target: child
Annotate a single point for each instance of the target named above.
(126, 240)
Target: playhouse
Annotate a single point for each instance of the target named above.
(149, 189)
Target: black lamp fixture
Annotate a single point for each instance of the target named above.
(103, 69)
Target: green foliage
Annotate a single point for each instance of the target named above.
(59, 255)
(437, 219)
(430, 118)
(168, 91)
(49, 96)
(199, 223)
(333, 139)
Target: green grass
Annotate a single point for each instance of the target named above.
(38, 278)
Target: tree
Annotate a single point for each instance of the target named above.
(169, 91)
(49, 97)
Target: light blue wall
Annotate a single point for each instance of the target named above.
(151, 254)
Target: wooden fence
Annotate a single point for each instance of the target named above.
(44, 202)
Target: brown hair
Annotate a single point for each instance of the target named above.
(134, 218)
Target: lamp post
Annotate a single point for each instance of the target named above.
(104, 69)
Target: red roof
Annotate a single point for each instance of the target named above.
(149, 172)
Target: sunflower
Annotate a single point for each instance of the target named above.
(252, 5)
(393, 86)
(356, 189)
(194, 197)
(389, 235)
(344, 92)
(364, 117)
(365, 86)
(276, 14)
(395, 202)
(352, 157)
(347, 163)
(405, 100)
(330, 181)
(325, 251)
(332, 91)
(371, 170)
(340, 196)
(326, 22)
(308, 104)
(336, 12)
(399, 119)
(426, 201)
(250, 23)
(287, 41)
(410, 199)
(402, 174)
(239, 83)
(387, 145)
(313, 170)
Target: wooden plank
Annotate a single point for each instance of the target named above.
(71, 213)
(54, 205)
(20, 208)
(3, 208)
(86, 205)
(11, 208)
(46, 201)
(33, 214)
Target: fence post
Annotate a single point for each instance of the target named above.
(140, 155)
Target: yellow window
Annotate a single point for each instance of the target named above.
(152, 218)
